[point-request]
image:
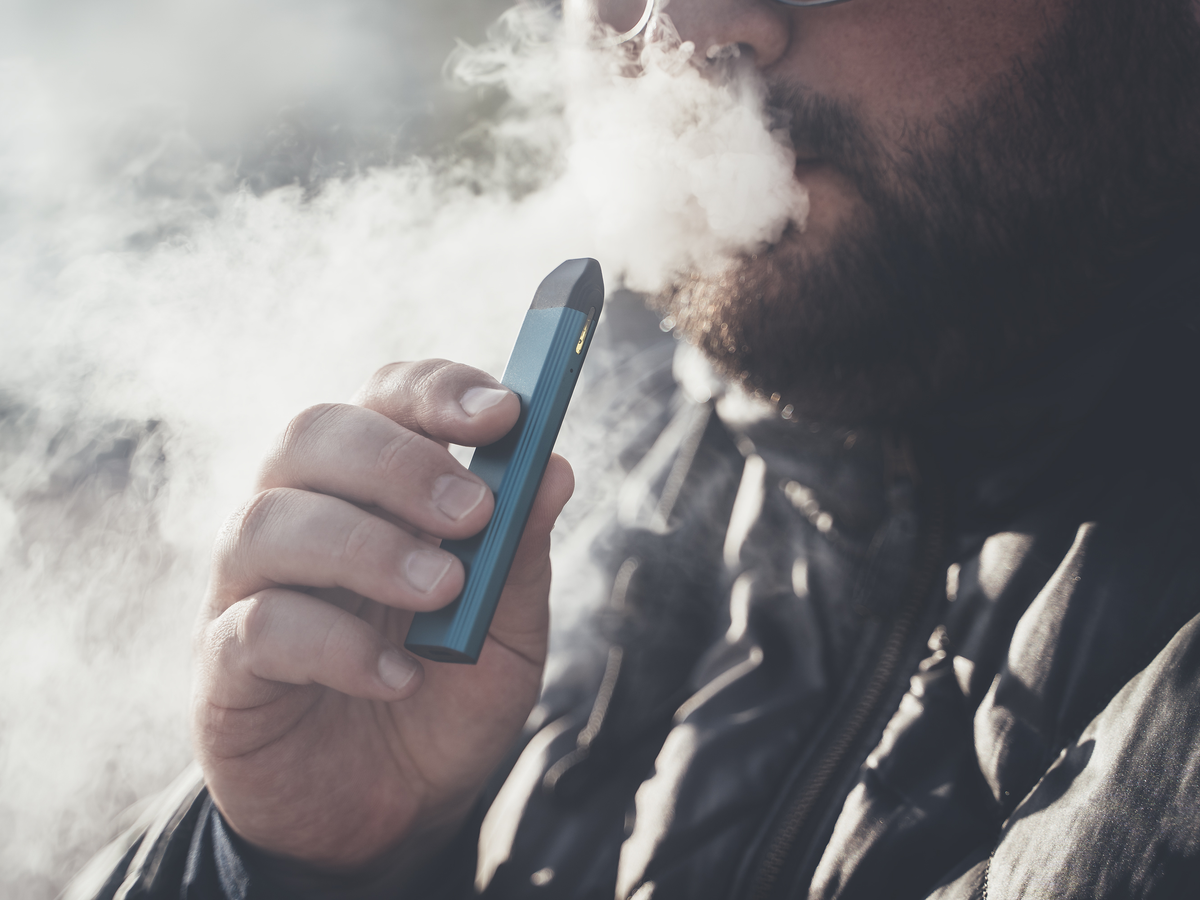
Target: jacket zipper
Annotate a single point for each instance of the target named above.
(781, 844)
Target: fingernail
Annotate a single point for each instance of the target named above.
(425, 568)
(395, 669)
(477, 399)
(456, 496)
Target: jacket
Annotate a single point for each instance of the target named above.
(955, 660)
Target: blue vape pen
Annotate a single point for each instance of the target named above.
(542, 371)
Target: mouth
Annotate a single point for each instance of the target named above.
(807, 164)
(807, 156)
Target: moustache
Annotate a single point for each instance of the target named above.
(824, 130)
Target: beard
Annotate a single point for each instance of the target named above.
(974, 249)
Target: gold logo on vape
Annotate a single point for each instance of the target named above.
(586, 326)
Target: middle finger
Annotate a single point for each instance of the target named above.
(364, 457)
(291, 537)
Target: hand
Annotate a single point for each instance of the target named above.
(320, 738)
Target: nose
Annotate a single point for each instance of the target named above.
(759, 27)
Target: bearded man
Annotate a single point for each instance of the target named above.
(926, 623)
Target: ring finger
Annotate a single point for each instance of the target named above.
(290, 537)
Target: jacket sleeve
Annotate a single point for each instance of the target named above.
(181, 849)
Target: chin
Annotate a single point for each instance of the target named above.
(812, 318)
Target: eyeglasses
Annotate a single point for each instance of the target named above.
(652, 5)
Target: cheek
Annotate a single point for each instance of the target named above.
(898, 63)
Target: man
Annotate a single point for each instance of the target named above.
(921, 625)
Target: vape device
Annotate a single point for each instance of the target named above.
(542, 371)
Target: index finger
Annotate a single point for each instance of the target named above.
(442, 400)
(363, 457)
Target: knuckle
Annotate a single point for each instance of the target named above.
(340, 641)
(436, 389)
(409, 377)
(308, 423)
(386, 376)
(408, 392)
(396, 457)
(255, 517)
(249, 630)
(245, 530)
(204, 630)
(228, 641)
(250, 621)
(356, 548)
(426, 374)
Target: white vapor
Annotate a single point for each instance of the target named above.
(171, 294)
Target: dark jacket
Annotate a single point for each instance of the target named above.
(959, 661)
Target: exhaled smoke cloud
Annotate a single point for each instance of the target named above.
(172, 293)
(667, 169)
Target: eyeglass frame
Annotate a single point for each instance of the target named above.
(652, 6)
(804, 4)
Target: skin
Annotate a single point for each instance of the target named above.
(307, 751)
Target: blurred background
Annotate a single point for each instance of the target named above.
(275, 92)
